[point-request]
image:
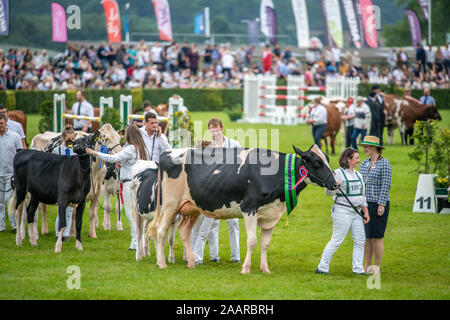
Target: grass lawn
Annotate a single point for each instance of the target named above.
(415, 265)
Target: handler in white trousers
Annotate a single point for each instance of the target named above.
(344, 216)
(134, 150)
(208, 228)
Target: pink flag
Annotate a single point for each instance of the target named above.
(162, 13)
(59, 23)
(368, 18)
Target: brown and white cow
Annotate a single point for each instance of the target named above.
(225, 183)
(403, 113)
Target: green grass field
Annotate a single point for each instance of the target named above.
(415, 263)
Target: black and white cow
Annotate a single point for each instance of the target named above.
(144, 189)
(233, 183)
(52, 179)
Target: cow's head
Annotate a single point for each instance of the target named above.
(80, 145)
(433, 113)
(109, 138)
(319, 171)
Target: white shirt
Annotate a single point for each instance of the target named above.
(156, 54)
(431, 58)
(227, 143)
(446, 54)
(9, 143)
(350, 111)
(319, 114)
(61, 150)
(362, 116)
(127, 158)
(86, 110)
(351, 175)
(336, 54)
(227, 61)
(16, 127)
(155, 145)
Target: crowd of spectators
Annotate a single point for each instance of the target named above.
(185, 66)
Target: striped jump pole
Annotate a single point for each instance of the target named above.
(132, 117)
(288, 97)
(126, 108)
(293, 88)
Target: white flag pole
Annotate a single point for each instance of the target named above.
(207, 31)
(429, 23)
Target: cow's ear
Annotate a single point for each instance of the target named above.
(96, 135)
(297, 150)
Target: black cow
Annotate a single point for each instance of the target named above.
(53, 179)
(233, 183)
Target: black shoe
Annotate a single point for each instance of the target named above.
(197, 263)
(214, 260)
(65, 239)
(132, 249)
(362, 273)
(236, 261)
(322, 272)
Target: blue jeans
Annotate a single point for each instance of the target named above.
(317, 132)
(356, 133)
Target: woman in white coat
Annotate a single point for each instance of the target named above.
(343, 214)
(133, 151)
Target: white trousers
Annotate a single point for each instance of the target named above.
(205, 228)
(208, 228)
(345, 219)
(5, 184)
(69, 212)
(126, 192)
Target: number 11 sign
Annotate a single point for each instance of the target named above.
(425, 200)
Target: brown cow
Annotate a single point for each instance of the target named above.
(333, 125)
(20, 117)
(403, 113)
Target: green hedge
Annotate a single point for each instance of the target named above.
(441, 96)
(194, 99)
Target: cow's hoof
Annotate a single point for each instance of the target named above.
(93, 235)
(72, 235)
(138, 256)
(58, 248)
(19, 242)
(33, 242)
(171, 259)
(119, 226)
(78, 246)
(44, 229)
(245, 271)
(107, 227)
(265, 270)
(161, 265)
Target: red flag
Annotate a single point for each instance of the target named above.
(162, 13)
(368, 18)
(112, 20)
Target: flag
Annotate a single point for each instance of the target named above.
(4, 17)
(414, 26)
(59, 26)
(162, 13)
(268, 20)
(301, 22)
(424, 5)
(112, 21)
(252, 26)
(368, 19)
(326, 33)
(199, 24)
(357, 9)
(352, 22)
(332, 14)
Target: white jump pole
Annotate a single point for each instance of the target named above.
(59, 108)
(105, 102)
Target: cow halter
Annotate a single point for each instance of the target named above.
(289, 180)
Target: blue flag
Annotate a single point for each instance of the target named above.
(4, 17)
(199, 24)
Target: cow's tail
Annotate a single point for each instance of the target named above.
(151, 229)
(12, 206)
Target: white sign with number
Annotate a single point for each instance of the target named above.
(425, 200)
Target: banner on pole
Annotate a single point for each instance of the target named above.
(268, 20)
(200, 24)
(112, 21)
(368, 19)
(335, 22)
(424, 5)
(414, 27)
(4, 17)
(59, 26)
(301, 22)
(162, 13)
(352, 22)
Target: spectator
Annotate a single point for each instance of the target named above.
(349, 122)
(194, 58)
(421, 57)
(14, 126)
(336, 55)
(362, 121)
(375, 112)
(427, 99)
(82, 108)
(227, 63)
(318, 120)
(267, 59)
(207, 60)
(9, 144)
(430, 58)
(156, 54)
(392, 59)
